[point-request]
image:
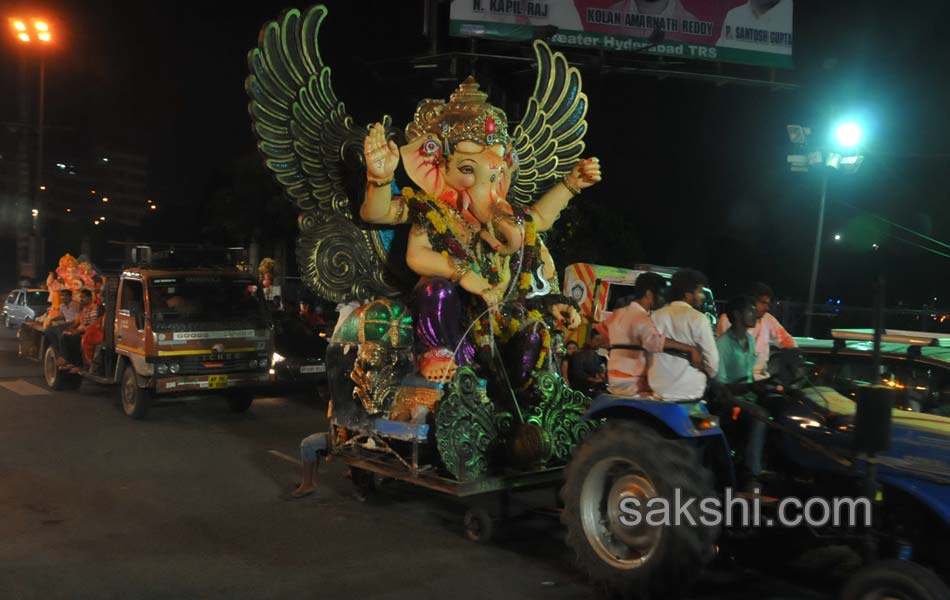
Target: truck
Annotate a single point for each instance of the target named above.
(596, 287)
(172, 326)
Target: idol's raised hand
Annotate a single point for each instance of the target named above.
(382, 156)
(584, 174)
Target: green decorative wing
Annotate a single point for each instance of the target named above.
(560, 413)
(467, 428)
(549, 139)
(312, 147)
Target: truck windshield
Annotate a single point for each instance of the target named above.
(174, 298)
(37, 298)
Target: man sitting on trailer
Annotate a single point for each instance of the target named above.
(631, 325)
(674, 377)
(72, 335)
(93, 336)
(67, 317)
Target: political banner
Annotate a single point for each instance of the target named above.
(754, 32)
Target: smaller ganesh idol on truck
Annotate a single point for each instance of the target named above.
(167, 324)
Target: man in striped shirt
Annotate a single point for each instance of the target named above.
(71, 342)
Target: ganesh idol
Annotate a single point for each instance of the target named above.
(467, 242)
(449, 269)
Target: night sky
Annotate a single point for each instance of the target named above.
(695, 174)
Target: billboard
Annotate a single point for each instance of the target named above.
(754, 32)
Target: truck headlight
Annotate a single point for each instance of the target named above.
(276, 358)
(161, 368)
(174, 368)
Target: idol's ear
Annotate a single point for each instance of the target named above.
(422, 159)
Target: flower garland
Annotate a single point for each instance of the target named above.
(445, 235)
(444, 224)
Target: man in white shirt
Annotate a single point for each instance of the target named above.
(767, 331)
(631, 325)
(68, 308)
(672, 377)
(69, 312)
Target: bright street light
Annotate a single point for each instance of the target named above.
(848, 134)
(35, 212)
(40, 30)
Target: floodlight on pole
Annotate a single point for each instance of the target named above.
(843, 157)
(848, 134)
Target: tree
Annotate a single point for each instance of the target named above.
(248, 206)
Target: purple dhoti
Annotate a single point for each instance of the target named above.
(441, 319)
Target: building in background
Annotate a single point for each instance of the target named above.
(89, 192)
(106, 185)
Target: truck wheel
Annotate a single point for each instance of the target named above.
(240, 401)
(626, 460)
(135, 400)
(897, 579)
(55, 379)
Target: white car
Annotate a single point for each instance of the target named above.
(23, 304)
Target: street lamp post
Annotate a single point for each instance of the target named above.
(848, 136)
(29, 33)
(816, 257)
(39, 135)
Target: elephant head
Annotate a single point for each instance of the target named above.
(460, 152)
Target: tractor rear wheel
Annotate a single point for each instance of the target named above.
(620, 466)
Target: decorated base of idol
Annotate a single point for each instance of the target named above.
(446, 357)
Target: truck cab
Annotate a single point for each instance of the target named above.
(171, 327)
(595, 287)
(192, 330)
